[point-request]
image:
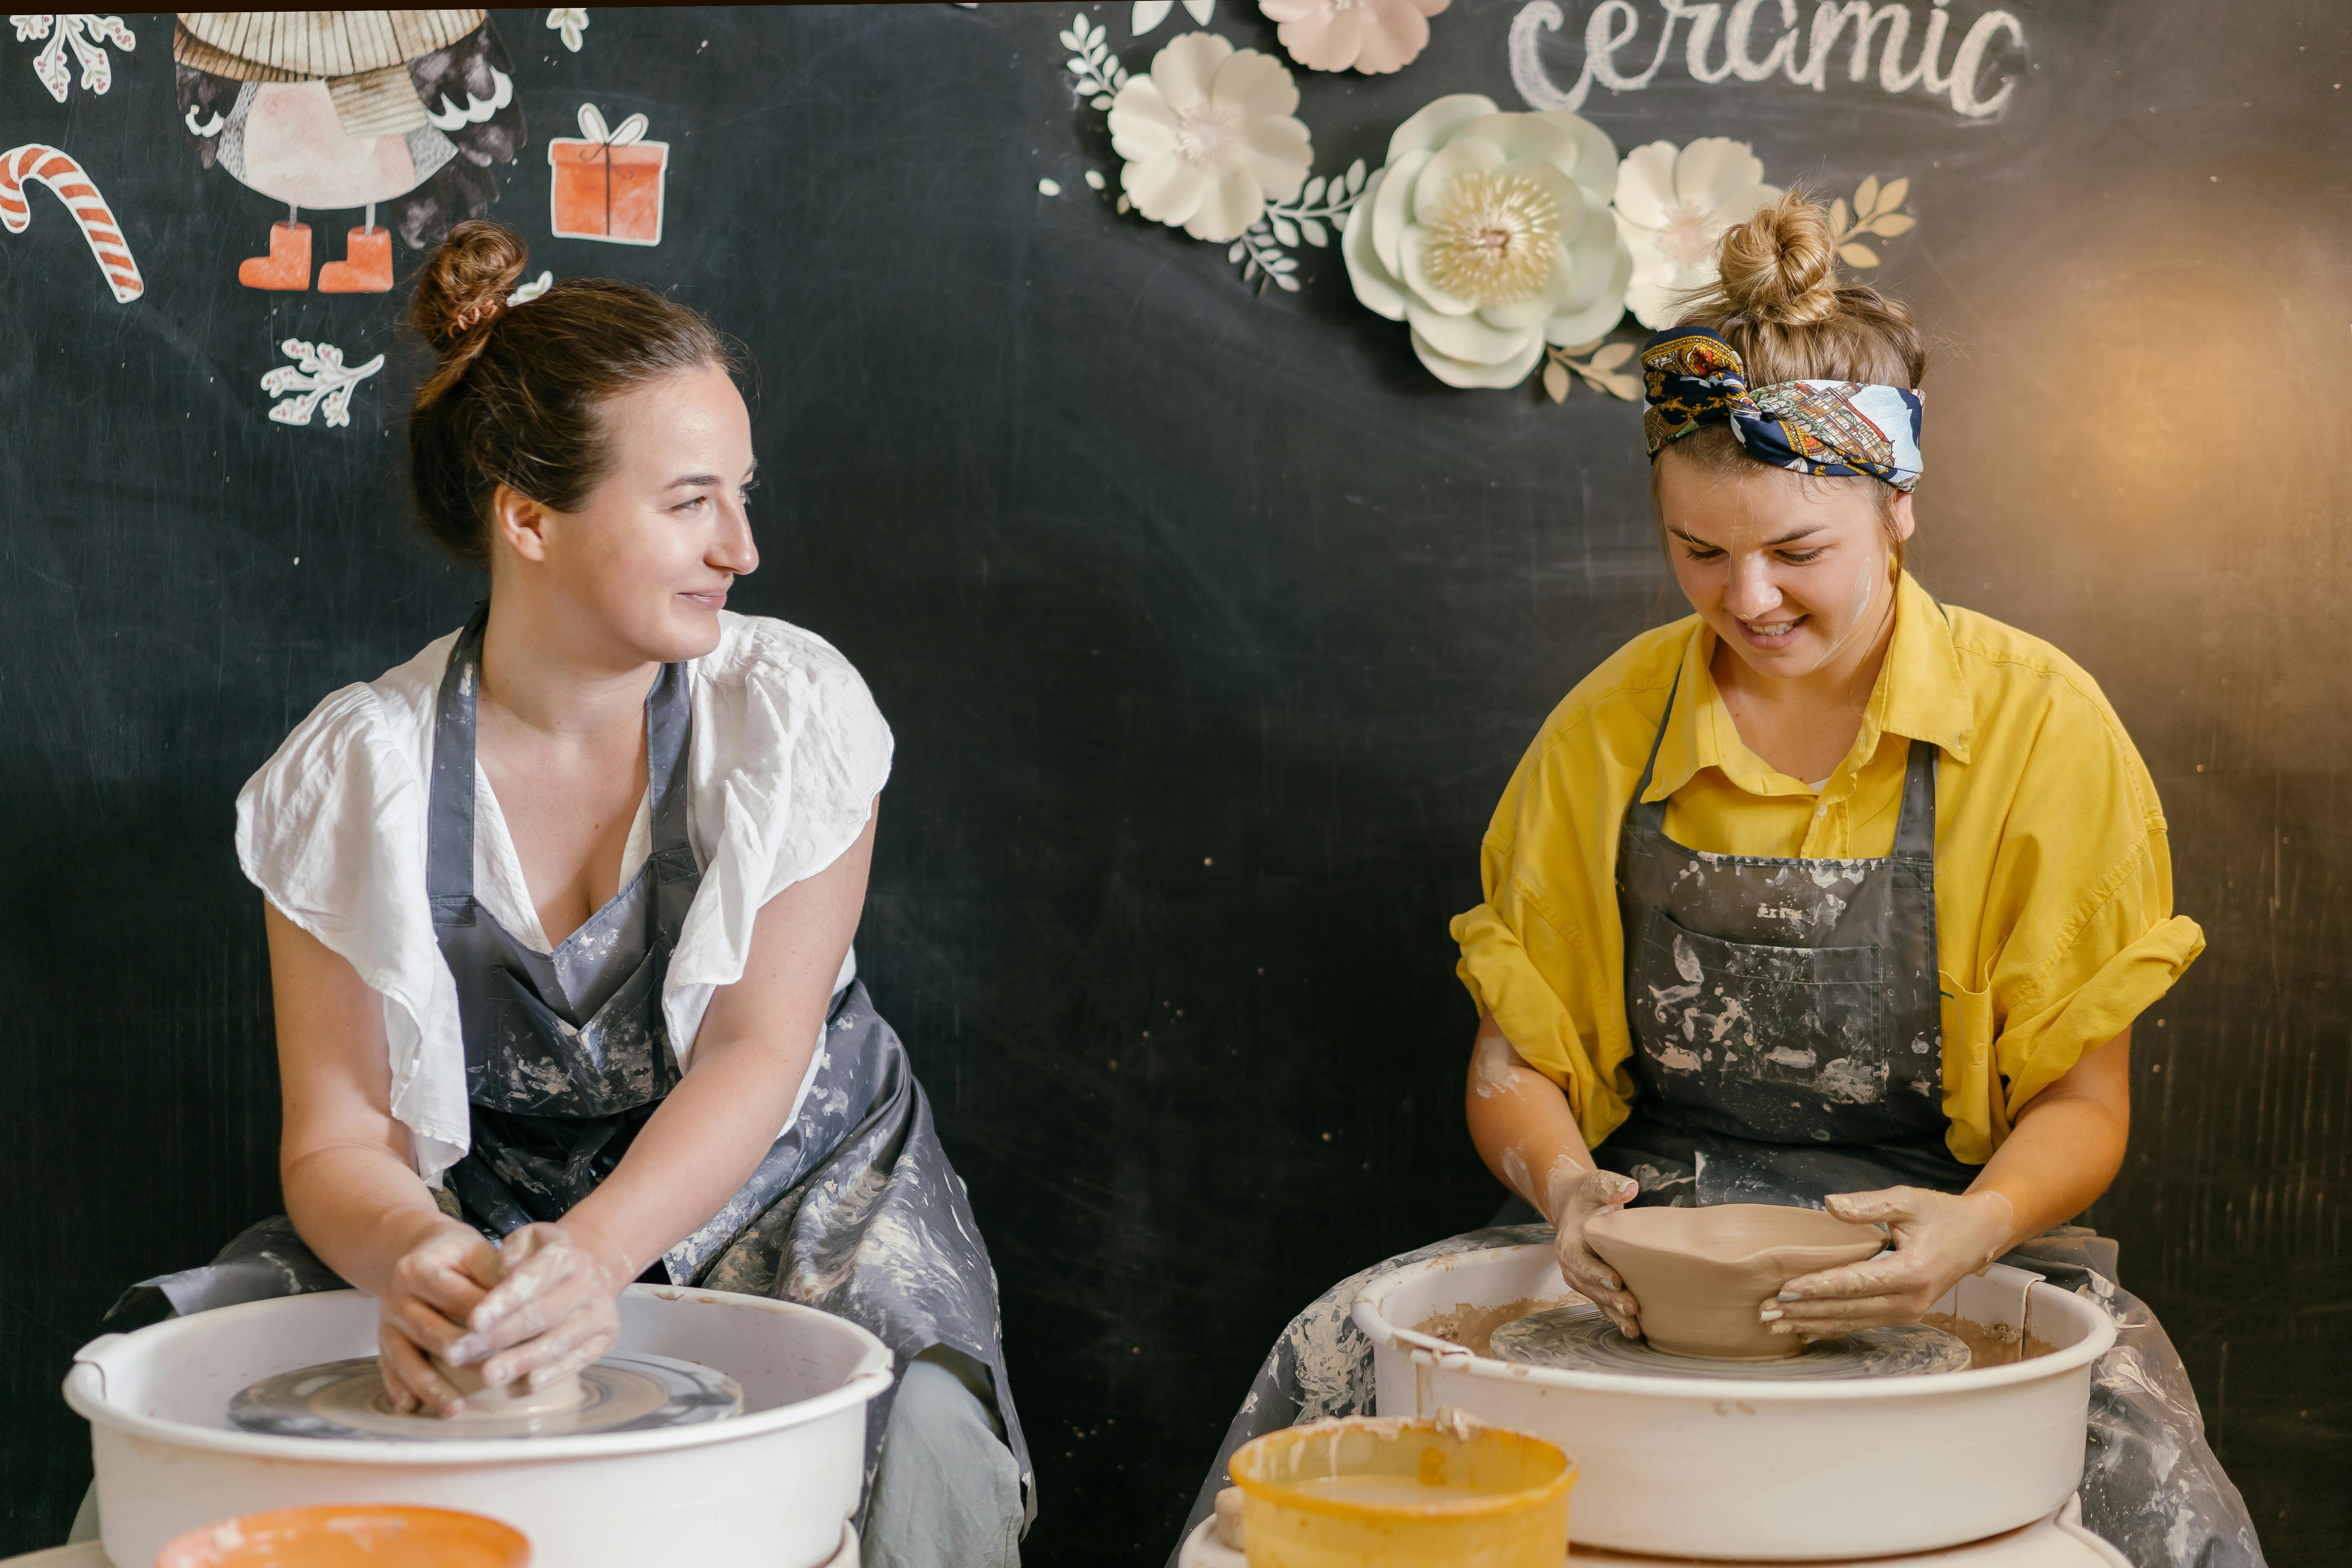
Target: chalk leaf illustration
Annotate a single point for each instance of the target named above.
(1146, 14)
(1209, 137)
(568, 23)
(1489, 235)
(317, 380)
(1874, 213)
(1673, 204)
(45, 165)
(1597, 362)
(1374, 37)
(1099, 74)
(87, 33)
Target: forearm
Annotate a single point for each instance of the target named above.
(1520, 1121)
(2067, 1145)
(360, 1208)
(696, 1151)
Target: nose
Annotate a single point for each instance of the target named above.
(1751, 592)
(733, 549)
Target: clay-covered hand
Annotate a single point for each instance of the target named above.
(1574, 1196)
(434, 1288)
(1940, 1238)
(554, 1314)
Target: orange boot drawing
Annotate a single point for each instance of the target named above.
(287, 265)
(366, 266)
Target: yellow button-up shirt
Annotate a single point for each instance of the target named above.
(2053, 881)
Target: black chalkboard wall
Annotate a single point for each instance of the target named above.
(1211, 626)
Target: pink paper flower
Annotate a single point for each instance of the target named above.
(1374, 37)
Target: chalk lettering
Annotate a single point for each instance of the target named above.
(1867, 29)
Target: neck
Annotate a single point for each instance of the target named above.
(1842, 682)
(544, 669)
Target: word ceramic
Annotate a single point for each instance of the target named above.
(1855, 25)
(1703, 1274)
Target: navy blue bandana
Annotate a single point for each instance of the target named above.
(1694, 378)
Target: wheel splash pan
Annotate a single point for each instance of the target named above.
(1722, 1468)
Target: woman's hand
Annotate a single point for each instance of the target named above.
(1574, 1196)
(1940, 1238)
(435, 1288)
(556, 1311)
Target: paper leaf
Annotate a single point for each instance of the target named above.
(1103, 103)
(1857, 256)
(1285, 282)
(1078, 68)
(1556, 381)
(1285, 231)
(1201, 10)
(1313, 193)
(1892, 197)
(1124, 203)
(1313, 231)
(1837, 215)
(1147, 15)
(1070, 39)
(1355, 176)
(1610, 357)
(1888, 225)
(1626, 386)
(1866, 196)
(1235, 253)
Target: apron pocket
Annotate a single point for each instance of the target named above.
(1807, 1019)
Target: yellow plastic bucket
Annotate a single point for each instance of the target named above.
(1354, 1493)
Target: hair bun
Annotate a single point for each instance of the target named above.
(459, 293)
(1780, 267)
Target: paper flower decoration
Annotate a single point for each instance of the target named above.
(1672, 207)
(1489, 235)
(1374, 37)
(1209, 136)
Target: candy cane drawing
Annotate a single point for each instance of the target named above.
(54, 169)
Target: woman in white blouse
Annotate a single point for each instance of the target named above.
(559, 917)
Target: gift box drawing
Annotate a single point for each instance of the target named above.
(607, 183)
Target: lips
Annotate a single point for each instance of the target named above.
(1775, 633)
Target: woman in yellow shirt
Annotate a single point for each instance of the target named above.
(1826, 895)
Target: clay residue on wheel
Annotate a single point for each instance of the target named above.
(1989, 1344)
(1473, 1326)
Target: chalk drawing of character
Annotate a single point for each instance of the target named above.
(336, 110)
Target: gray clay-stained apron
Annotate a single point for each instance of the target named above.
(854, 1209)
(1787, 1027)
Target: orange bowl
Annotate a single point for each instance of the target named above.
(351, 1535)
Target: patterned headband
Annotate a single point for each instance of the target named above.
(1694, 378)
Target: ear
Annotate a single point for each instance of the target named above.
(519, 522)
(1900, 520)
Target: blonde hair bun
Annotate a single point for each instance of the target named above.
(1780, 267)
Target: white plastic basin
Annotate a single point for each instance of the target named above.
(1762, 1471)
(770, 1489)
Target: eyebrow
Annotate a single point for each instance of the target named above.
(696, 481)
(1789, 538)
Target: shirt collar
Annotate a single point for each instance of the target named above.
(1919, 695)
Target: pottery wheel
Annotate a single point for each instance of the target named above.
(1580, 1339)
(620, 1394)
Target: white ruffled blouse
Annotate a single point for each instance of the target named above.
(788, 754)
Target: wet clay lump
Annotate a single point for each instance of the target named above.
(1702, 1275)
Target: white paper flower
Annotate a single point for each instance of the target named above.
(1672, 207)
(1209, 136)
(1489, 234)
(1374, 37)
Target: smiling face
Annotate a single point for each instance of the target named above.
(1794, 577)
(644, 563)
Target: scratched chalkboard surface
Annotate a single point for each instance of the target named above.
(1211, 622)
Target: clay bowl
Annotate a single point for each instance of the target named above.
(1702, 1274)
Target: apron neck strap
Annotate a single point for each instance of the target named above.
(1653, 813)
(449, 819)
